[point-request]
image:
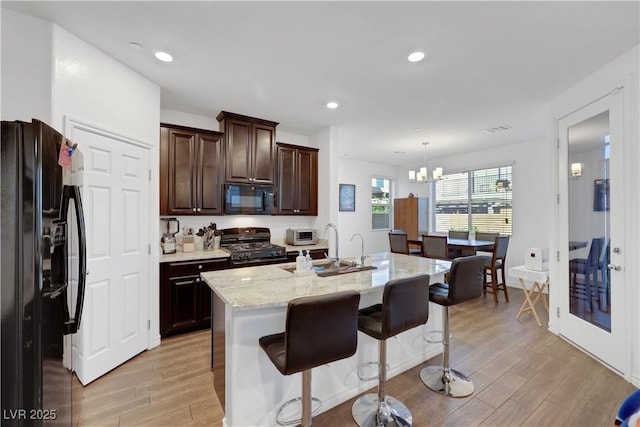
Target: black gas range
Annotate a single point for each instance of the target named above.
(250, 246)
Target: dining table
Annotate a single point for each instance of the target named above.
(470, 245)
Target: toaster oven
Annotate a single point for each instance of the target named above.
(301, 236)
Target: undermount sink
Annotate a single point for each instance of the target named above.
(328, 268)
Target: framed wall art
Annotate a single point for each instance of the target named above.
(347, 201)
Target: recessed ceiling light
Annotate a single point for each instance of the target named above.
(163, 56)
(416, 56)
(135, 46)
(332, 105)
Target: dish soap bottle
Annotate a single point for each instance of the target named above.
(300, 261)
(308, 261)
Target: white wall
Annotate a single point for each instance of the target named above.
(532, 171)
(27, 68)
(94, 87)
(624, 70)
(360, 173)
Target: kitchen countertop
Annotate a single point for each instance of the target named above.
(193, 256)
(222, 253)
(271, 286)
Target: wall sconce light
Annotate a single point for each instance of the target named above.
(576, 170)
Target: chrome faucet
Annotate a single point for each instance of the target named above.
(362, 255)
(336, 260)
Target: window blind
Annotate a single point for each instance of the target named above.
(477, 200)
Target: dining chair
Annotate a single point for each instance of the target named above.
(482, 235)
(457, 234)
(485, 235)
(588, 267)
(605, 260)
(435, 247)
(493, 264)
(399, 244)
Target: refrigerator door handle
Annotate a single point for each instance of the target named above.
(58, 244)
(72, 192)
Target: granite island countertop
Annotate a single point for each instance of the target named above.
(271, 286)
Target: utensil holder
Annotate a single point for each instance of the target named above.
(210, 241)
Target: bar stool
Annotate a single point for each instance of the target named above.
(319, 330)
(465, 283)
(493, 263)
(404, 306)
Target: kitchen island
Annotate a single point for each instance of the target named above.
(251, 302)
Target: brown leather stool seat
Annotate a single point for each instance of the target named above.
(318, 330)
(405, 305)
(465, 283)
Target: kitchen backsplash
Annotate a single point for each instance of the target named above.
(277, 224)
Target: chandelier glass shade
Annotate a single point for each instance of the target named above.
(421, 175)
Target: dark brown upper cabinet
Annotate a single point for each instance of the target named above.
(250, 145)
(190, 171)
(297, 180)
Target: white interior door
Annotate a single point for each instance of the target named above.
(115, 192)
(591, 241)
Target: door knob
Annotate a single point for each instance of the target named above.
(616, 250)
(615, 267)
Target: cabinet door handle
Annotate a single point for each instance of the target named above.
(200, 267)
(194, 209)
(199, 209)
(183, 282)
(198, 280)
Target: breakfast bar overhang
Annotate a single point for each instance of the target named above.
(251, 302)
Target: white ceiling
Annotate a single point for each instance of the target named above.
(488, 63)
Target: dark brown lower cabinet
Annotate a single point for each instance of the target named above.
(185, 299)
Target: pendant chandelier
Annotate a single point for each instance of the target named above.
(421, 175)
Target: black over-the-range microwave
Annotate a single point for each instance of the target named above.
(248, 199)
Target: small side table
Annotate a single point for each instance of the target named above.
(540, 281)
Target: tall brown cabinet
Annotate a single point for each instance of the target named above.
(190, 171)
(297, 180)
(250, 148)
(412, 215)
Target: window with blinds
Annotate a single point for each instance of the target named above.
(380, 203)
(477, 200)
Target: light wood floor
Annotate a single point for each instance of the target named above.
(524, 376)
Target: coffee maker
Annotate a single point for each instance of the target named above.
(168, 239)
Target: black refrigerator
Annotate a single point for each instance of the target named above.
(43, 276)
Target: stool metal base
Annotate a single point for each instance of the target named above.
(451, 384)
(368, 412)
(296, 421)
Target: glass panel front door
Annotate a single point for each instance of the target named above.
(589, 231)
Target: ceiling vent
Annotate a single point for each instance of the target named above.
(498, 128)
